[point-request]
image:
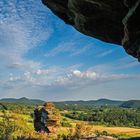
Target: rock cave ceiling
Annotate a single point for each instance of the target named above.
(112, 21)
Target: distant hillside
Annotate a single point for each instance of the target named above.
(22, 100)
(131, 104)
(100, 102)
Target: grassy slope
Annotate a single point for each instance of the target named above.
(123, 132)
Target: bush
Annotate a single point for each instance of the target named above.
(65, 123)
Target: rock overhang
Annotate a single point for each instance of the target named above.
(112, 21)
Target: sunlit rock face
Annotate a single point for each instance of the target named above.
(113, 21)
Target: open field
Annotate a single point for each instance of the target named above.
(122, 132)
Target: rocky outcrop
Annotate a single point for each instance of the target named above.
(131, 22)
(113, 21)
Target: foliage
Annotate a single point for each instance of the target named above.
(65, 123)
(13, 125)
(7, 127)
(131, 104)
(112, 116)
(18, 108)
(81, 131)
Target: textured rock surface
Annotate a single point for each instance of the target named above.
(113, 21)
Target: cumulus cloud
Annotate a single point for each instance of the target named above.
(57, 80)
(77, 73)
(63, 77)
(87, 74)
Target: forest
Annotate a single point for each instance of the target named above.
(73, 122)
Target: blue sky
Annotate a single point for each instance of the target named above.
(42, 57)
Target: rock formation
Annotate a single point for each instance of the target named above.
(113, 21)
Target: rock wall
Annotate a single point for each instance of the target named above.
(113, 21)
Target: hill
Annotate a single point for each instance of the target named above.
(131, 104)
(22, 100)
(100, 102)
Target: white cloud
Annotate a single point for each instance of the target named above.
(71, 47)
(63, 47)
(77, 73)
(91, 74)
(87, 74)
(105, 53)
(127, 62)
(22, 28)
(61, 77)
(81, 50)
(58, 79)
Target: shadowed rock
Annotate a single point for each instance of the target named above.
(113, 21)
